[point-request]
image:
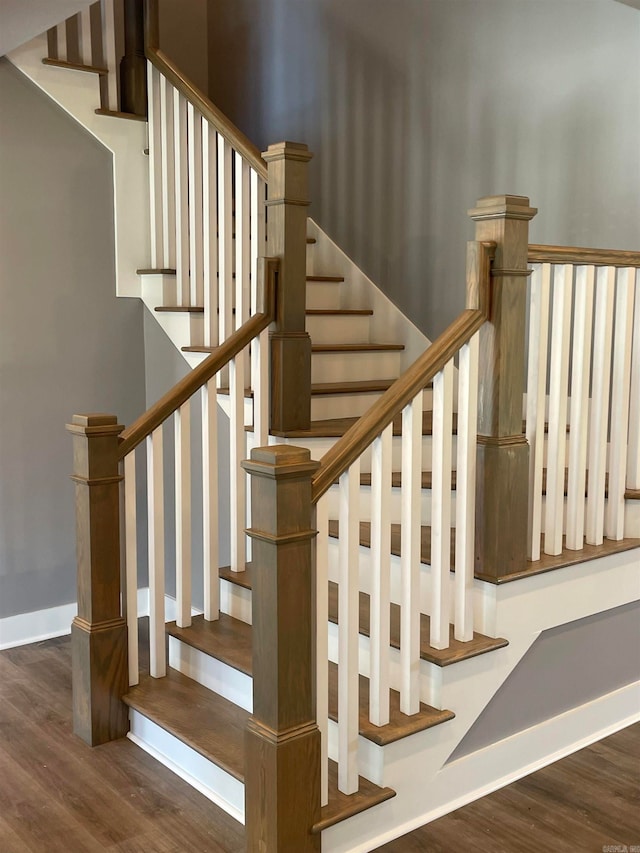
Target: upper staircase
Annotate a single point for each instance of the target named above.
(321, 647)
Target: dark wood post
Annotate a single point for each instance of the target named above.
(98, 633)
(288, 198)
(282, 775)
(133, 66)
(503, 452)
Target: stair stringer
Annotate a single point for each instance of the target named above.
(78, 93)
(416, 767)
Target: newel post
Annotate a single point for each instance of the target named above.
(503, 452)
(133, 66)
(287, 202)
(282, 773)
(98, 633)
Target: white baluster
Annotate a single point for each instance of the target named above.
(348, 630)
(260, 345)
(466, 489)
(441, 507)
(167, 153)
(210, 555)
(633, 456)
(155, 165)
(410, 547)
(210, 230)
(536, 399)
(380, 577)
(237, 452)
(243, 244)
(109, 56)
(155, 510)
(194, 132)
(84, 36)
(558, 393)
(182, 197)
(321, 556)
(599, 419)
(131, 562)
(579, 417)
(225, 239)
(61, 35)
(620, 389)
(182, 456)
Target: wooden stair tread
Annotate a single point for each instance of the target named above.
(339, 312)
(400, 725)
(209, 724)
(225, 638)
(456, 652)
(243, 579)
(156, 271)
(336, 278)
(396, 479)
(342, 806)
(311, 241)
(365, 347)
(75, 66)
(119, 114)
(363, 386)
(336, 427)
(180, 309)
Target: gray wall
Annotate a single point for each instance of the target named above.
(67, 344)
(566, 667)
(415, 108)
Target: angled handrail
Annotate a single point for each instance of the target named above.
(540, 254)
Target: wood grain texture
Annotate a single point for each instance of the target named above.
(539, 254)
(457, 651)
(342, 806)
(119, 114)
(226, 639)
(75, 66)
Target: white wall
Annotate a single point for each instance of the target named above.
(415, 108)
(67, 344)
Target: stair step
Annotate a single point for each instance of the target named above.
(400, 725)
(456, 652)
(156, 271)
(226, 639)
(172, 309)
(209, 724)
(335, 278)
(337, 427)
(118, 114)
(75, 66)
(396, 480)
(425, 539)
(342, 806)
(341, 312)
(364, 347)
(311, 241)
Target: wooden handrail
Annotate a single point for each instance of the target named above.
(213, 115)
(541, 254)
(195, 379)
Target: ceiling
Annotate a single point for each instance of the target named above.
(21, 20)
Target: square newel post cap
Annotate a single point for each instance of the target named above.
(280, 460)
(95, 424)
(287, 151)
(502, 207)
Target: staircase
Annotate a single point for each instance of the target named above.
(411, 644)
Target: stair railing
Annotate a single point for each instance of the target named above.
(583, 395)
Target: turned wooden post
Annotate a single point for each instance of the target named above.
(133, 66)
(282, 772)
(98, 633)
(503, 452)
(287, 202)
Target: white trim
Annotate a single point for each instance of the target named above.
(37, 625)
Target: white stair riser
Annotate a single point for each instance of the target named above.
(235, 601)
(330, 328)
(351, 405)
(370, 755)
(347, 367)
(213, 674)
(325, 294)
(395, 508)
(320, 446)
(215, 783)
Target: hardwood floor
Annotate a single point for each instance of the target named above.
(58, 795)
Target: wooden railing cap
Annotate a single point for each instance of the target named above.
(502, 207)
(95, 423)
(281, 460)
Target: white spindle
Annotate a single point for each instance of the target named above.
(380, 578)
(84, 36)
(182, 197)
(155, 165)
(579, 417)
(210, 232)
(466, 489)
(558, 393)
(259, 346)
(210, 556)
(599, 419)
(536, 399)
(348, 630)
(441, 506)
(182, 456)
(155, 510)
(225, 239)
(410, 547)
(168, 196)
(633, 456)
(620, 388)
(243, 238)
(237, 452)
(61, 35)
(321, 556)
(131, 562)
(109, 56)
(194, 132)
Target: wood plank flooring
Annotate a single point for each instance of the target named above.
(58, 795)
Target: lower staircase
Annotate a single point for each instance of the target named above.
(390, 589)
